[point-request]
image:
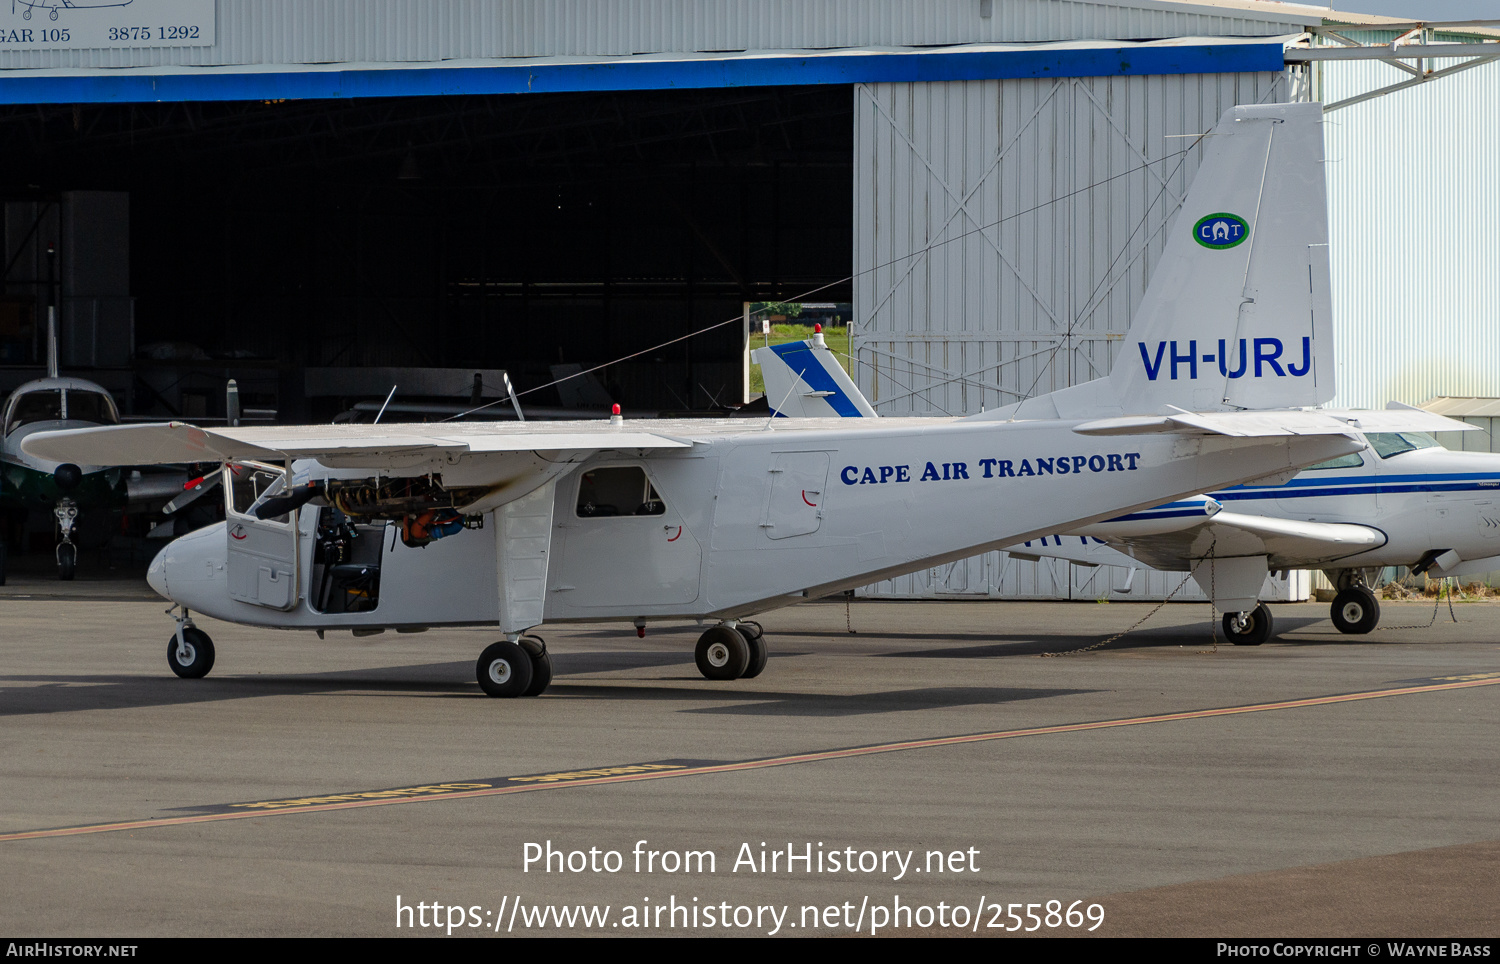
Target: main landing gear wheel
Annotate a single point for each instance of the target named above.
(755, 639)
(1257, 629)
(541, 665)
(504, 669)
(67, 561)
(195, 657)
(1355, 611)
(722, 654)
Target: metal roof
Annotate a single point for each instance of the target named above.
(262, 32)
(1455, 406)
(1089, 58)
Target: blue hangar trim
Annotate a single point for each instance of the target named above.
(814, 377)
(125, 85)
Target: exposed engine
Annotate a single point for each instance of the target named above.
(423, 508)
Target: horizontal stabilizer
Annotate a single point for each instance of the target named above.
(1254, 424)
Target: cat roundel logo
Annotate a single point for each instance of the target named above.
(1220, 230)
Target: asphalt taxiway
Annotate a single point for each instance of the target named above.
(1319, 785)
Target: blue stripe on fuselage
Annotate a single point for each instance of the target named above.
(1464, 482)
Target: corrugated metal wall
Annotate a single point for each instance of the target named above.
(998, 575)
(383, 31)
(1004, 235)
(1414, 201)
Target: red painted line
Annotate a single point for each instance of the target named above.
(817, 756)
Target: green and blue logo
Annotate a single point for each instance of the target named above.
(1220, 230)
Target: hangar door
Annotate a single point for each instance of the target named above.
(1004, 234)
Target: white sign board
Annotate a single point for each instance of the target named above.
(93, 24)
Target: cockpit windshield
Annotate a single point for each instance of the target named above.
(42, 406)
(91, 407)
(53, 404)
(1387, 444)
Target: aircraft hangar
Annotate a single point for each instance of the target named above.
(266, 189)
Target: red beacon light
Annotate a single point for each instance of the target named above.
(817, 338)
(614, 414)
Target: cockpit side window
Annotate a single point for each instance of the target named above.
(39, 406)
(249, 484)
(1387, 444)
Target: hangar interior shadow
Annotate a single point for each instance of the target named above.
(510, 231)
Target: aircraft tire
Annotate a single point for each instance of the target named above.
(541, 673)
(1356, 611)
(758, 654)
(504, 670)
(67, 561)
(1260, 629)
(722, 654)
(200, 655)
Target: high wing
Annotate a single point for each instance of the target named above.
(344, 446)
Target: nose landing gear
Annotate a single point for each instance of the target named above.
(66, 512)
(190, 652)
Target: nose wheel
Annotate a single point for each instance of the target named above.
(190, 653)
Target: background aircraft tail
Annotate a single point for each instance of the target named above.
(805, 380)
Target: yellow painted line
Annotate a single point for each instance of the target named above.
(813, 757)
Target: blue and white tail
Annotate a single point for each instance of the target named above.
(805, 380)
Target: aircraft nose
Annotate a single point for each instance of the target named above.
(156, 576)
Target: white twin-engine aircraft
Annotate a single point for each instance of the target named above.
(406, 527)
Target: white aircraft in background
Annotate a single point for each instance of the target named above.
(1403, 500)
(369, 527)
(60, 487)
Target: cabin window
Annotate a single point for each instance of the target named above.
(615, 491)
(1350, 461)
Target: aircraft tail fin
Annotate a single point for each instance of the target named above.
(805, 380)
(1237, 314)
